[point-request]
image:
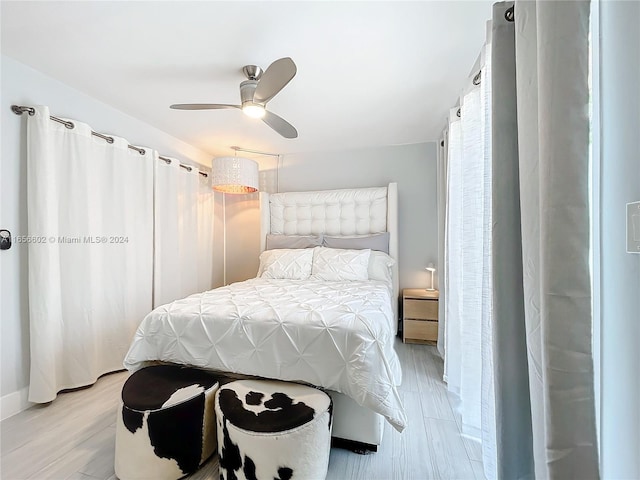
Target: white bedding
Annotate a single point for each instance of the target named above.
(336, 335)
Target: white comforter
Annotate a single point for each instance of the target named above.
(336, 335)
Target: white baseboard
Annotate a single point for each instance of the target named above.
(14, 403)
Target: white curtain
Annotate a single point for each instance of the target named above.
(442, 169)
(472, 222)
(517, 247)
(90, 212)
(453, 260)
(487, 393)
(183, 232)
(551, 69)
(468, 252)
(205, 231)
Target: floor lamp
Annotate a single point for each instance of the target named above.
(232, 175)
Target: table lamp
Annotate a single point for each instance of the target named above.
(431, 269)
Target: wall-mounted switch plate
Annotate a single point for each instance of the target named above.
(633, 227)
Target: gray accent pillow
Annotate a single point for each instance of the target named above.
(293, 241)
(375, 241)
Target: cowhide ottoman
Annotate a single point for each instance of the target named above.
(273, 430)
(166, 423)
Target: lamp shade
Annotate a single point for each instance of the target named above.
(234, 175)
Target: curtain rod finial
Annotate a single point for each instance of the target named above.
(19, 110)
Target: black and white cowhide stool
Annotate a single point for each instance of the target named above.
(166, 423)
(273, 430)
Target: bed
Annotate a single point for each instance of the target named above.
(322, 316)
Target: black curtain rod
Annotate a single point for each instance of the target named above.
(20, 109)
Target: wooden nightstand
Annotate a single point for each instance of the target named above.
(419, 315)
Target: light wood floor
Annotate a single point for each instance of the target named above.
(73, 437)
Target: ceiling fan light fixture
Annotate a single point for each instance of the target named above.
(253, 110)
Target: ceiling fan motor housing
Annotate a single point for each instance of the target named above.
(252, 72)
(247, 88)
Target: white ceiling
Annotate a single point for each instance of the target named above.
(369, 73)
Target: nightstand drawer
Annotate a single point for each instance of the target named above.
(420, 309)
(420, 330)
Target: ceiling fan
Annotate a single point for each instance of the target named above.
(255, 92)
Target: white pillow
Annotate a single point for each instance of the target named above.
(336, 264)
(290, 264)
(380, 267)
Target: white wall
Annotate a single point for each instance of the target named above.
(620, 271)
(24, 86)
(412, 166)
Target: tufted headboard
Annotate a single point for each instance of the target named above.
(358, 211)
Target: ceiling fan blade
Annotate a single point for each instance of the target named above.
(202, 106)
(280, 125)
(274, 79)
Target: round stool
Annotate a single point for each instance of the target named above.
(166, 423)
(273, 430)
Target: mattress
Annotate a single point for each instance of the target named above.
(332, 334)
